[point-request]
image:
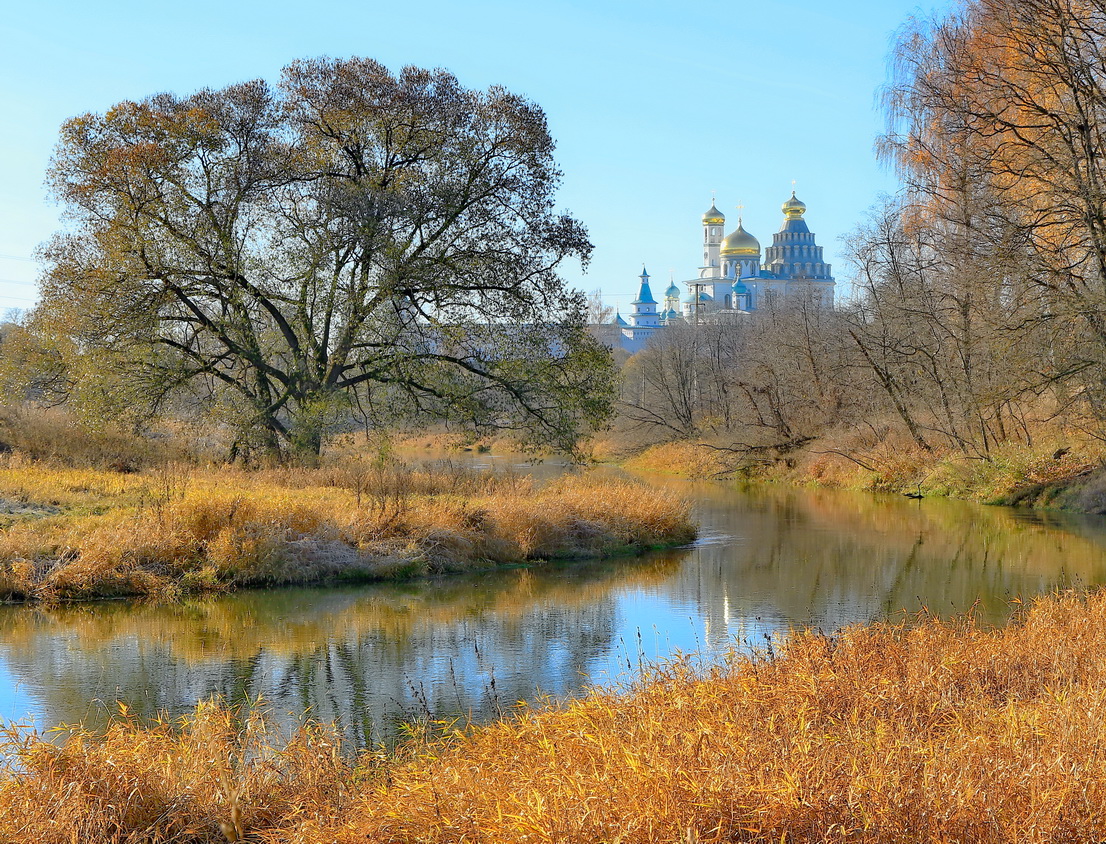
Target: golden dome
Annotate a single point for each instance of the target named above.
(740, 242)
(713, 217)
(793, 208)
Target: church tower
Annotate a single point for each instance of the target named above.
(713, 223)
(645, 306)
(795, 258)
(671, 310)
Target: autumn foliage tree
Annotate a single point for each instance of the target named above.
(1007, 99)
(346, 238)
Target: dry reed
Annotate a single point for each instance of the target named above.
(178, 529)
(209, 777)
(941, 731)
(931, 731)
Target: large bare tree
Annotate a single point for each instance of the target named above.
(347, 236)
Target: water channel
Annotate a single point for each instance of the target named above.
(368, 657)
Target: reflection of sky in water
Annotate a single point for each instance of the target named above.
(15, 704)
(768, 560)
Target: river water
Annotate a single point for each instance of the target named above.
(369, 657)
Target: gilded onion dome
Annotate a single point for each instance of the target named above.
(740, 242)
(713, 217)
(793, 208)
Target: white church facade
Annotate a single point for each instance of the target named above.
(735, 278)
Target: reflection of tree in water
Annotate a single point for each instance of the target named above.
(473, 666)
(364, 658)
(824, 558)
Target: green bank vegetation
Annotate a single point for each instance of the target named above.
(1057, 471)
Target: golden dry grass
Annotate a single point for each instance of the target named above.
(934, 731)
(939, 732)
(183, 529)
(685, 458)
(208, 777)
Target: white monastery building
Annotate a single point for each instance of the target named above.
(734, 278)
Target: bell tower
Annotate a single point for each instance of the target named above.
(713, 224)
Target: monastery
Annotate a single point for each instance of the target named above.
(734, 278)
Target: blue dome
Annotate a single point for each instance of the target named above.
(689, 299)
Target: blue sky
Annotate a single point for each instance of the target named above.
(653, 104)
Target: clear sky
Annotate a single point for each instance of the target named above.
(653, 103)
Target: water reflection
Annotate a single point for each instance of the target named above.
(363, 657)
(769, 558)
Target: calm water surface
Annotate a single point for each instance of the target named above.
(370, 657)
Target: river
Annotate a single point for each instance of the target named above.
(369, 657)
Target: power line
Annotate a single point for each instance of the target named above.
(22, 283)
(17, 258)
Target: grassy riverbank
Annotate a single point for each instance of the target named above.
(87, 533)
(931, 731)
(1057, 472)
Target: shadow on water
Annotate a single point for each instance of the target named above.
(368, 657)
